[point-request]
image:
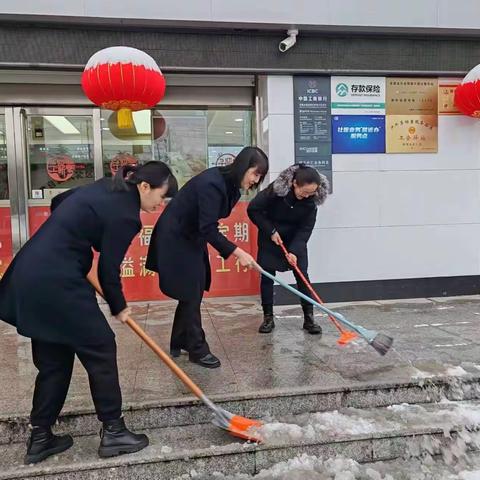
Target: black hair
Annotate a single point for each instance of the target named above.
(249, 157)
(305, 175)
(156, 174)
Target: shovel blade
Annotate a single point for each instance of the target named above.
(242, 427)
(237, 425)
(346, 337)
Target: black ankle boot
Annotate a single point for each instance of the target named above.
(308, 323)
(117, 439)
(43, 443)
(268, 323)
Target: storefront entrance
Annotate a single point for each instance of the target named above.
(47, 150)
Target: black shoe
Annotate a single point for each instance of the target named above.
(267, 325)
(117, 439)
(208, 361)
(308, 323)
(43, 443)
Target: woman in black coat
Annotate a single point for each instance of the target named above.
(286, 212)
(178, 245)
(45, 294)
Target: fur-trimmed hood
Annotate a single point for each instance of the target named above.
(283, 184)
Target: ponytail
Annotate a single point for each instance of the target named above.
(156, 174)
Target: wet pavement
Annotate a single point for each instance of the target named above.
(432, 337)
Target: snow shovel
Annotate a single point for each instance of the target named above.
(235, 424)
(346, 336)
(380, 342)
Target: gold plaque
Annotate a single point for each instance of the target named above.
(412, 133)
(446, 94)
(412, 96)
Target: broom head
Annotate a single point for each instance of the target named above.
(382, 343)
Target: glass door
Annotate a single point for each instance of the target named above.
(60, 151)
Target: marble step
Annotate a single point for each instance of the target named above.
(364, 435)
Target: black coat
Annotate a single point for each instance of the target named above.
(45, 293)
(178, 245)
(293, 219)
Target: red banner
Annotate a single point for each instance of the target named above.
(228, 277)
(5, 239)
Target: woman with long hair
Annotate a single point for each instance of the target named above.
(178, 246)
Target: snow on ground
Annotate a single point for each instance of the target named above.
(427, 457)
(307, 467)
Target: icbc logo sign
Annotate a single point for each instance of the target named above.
(60, 167)
(122, 160)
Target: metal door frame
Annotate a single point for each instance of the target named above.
(15, 201)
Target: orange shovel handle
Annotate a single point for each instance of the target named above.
(309, 286)
(93, 279)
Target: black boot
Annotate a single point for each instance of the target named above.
(308, 323)
(43, 443)
(268, 323)
(117, 439)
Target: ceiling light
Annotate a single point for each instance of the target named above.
(62, 124)
(229, 133)
(239, 119)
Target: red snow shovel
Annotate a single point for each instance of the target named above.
(346, 336)
(235, 424)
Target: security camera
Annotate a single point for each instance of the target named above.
(289, 42)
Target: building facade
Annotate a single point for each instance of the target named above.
(403, 217)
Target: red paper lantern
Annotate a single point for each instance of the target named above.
(123, 79)
(467, 94)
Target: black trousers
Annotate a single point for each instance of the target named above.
(187, 331)
(266, 286)
(55, 364)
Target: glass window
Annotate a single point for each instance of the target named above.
(125, 146)
(180, 140)
(187, 140)
(60, 153)
(3, 161)
(192, 140)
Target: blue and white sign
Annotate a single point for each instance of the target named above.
(358, 134)
(358, 95)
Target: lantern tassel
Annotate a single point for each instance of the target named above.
(125, 118)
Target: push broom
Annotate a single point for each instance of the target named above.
(379, 341)
(237, 425)
(346, 336)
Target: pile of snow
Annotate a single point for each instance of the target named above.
(303, 467)
(308, 467)
(317, 426)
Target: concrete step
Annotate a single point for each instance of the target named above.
(363, 435)
(267, 404)
(262, 404)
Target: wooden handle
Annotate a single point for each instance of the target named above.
(93, 279)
